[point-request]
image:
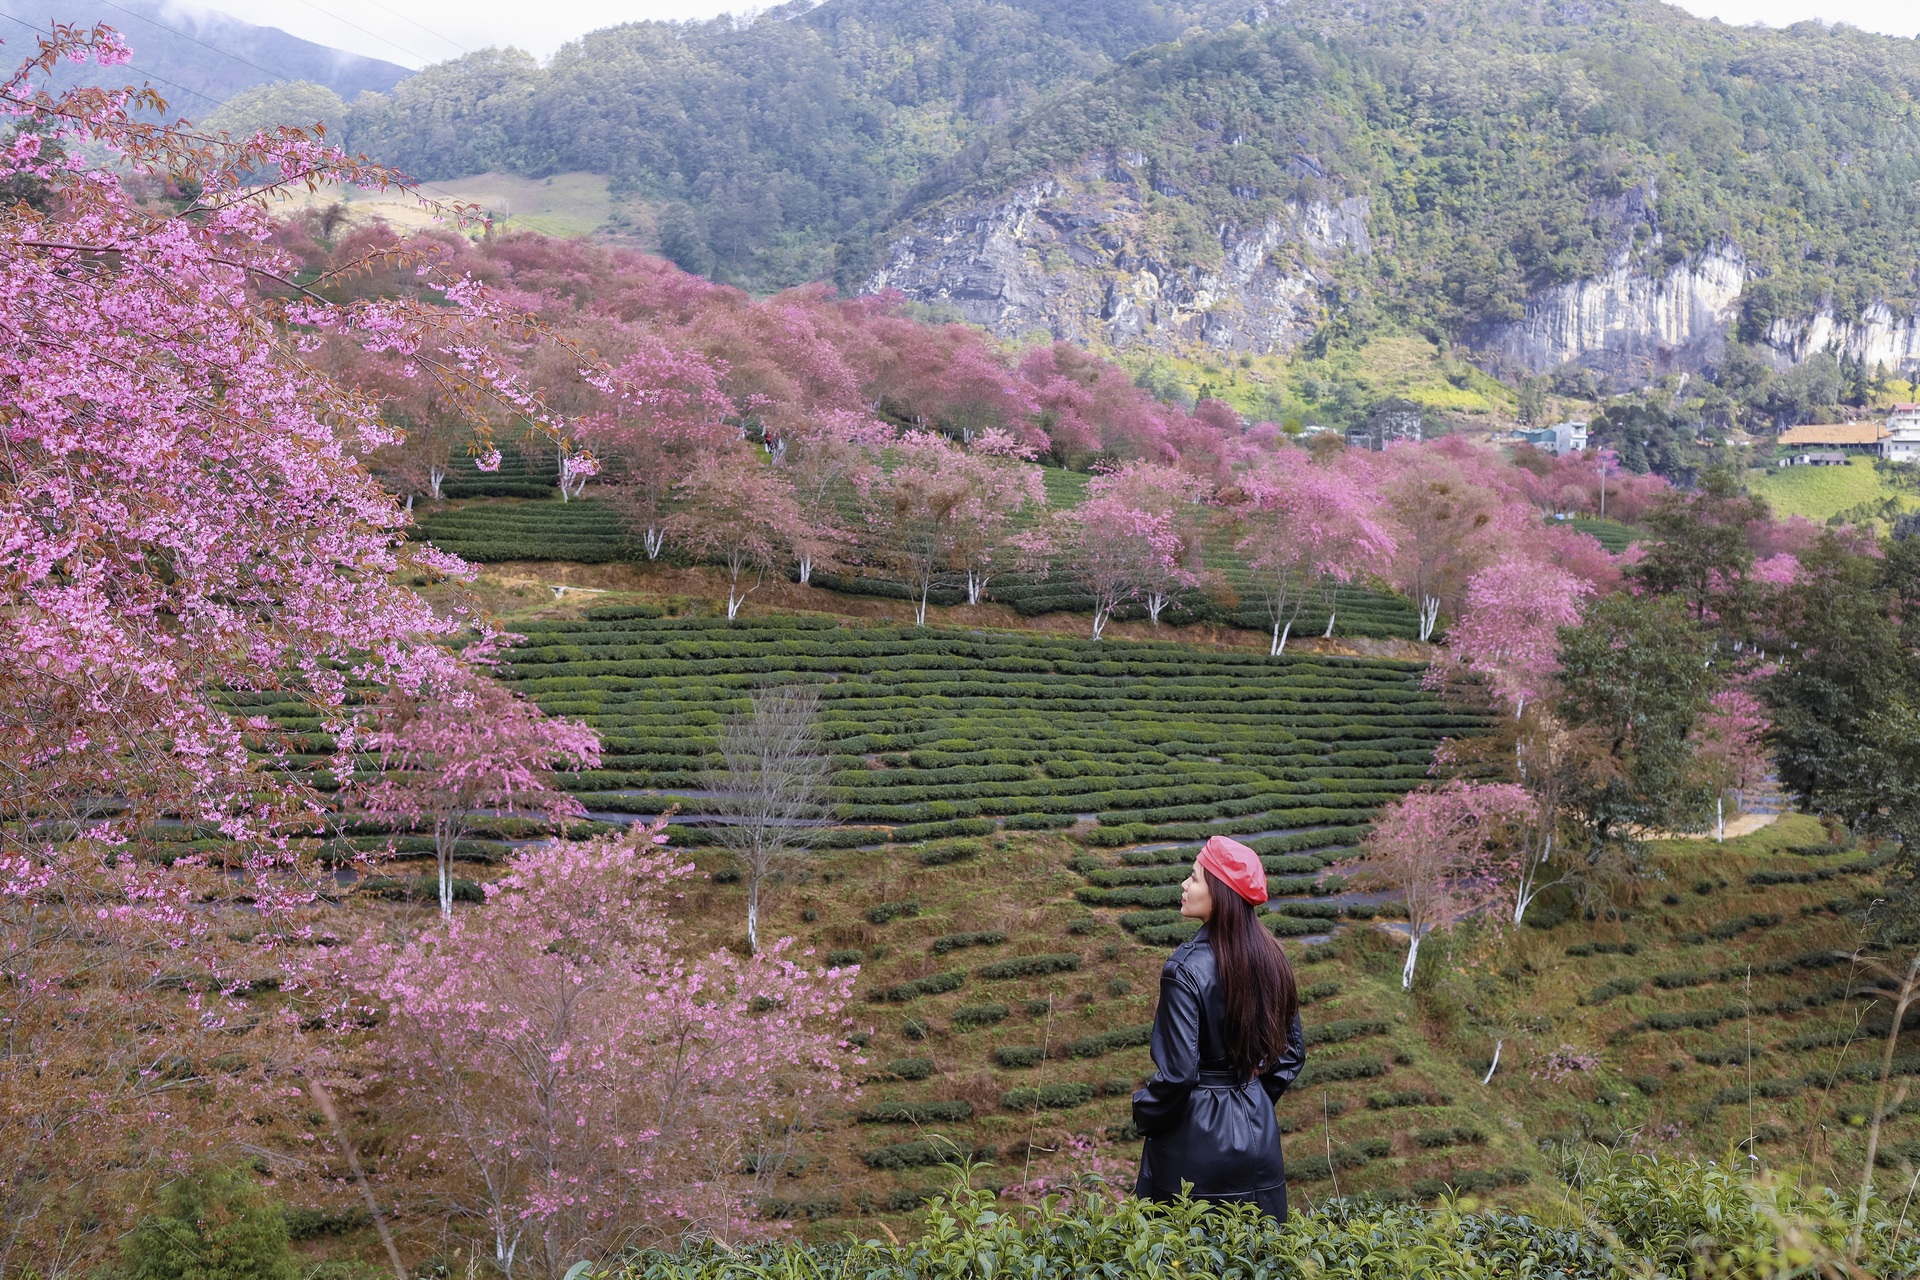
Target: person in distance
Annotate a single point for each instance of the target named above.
(1226, 1041)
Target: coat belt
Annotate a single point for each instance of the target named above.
(1218, 1078)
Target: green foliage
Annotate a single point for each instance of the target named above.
(967, 1017)
(1633, 1216)
(932, 985)
(887, 912)
(1048, 1097)
(916, 1112)
(1635, 673)
(1030, 966)
(213, 1225)
(910, 1068)
(955, 941)
(1019, 1055)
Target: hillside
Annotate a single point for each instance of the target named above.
(198, 58)
(1618, 186)
(1002, 876)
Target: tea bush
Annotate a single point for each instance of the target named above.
(1029, 966)
(968, 1235)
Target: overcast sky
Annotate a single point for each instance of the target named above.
(415, 32)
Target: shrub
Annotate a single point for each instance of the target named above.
(1317, 992)
(1048, 1097)
(915, 1155)
(955, 941)
(841, 959)
(910, 1068)
(1288, 927)
(1682, 978)
(1456, 1136)
(1330, 1070)
(1344, 1029)
(1734, 928)
(1727, 1055)
(1608, 990)
(1029, 966)
(1384, 1100)
(1084, 925)
(1107, 1041)
(214, 1225)
(953, 851)
(914, 1029)
(1019, 1055)
(937, 984)
(1119, 987)
(978, 1015)
(887, 911)
(916, 1112)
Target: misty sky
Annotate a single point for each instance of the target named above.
(415, 32)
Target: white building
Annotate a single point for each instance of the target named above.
(1902, 442)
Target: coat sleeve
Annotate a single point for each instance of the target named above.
(1176, 1052)
(1286, 1069)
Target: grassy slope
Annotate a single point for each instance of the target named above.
(1820, 492)
(1677, 1089)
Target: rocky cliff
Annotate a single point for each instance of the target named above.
(1086, 258)
(1628, 325)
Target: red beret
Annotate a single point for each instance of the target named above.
(1237, 865)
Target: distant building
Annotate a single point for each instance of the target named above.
(1847, 437)
(1394, 422)
(1559, 440)
(1826, 458)
(1902, 442)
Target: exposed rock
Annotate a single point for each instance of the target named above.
(1626, 324)
(1081, 264)
(1879, 338)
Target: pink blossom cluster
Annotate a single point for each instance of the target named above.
(582, 1080)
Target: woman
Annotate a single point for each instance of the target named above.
(1227, 1042)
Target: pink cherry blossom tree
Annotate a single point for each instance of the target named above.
(833, 464)
(1134, 538)
(1729, 748)
(1447, 851)
(1447, 521)
(740, 512)
(471, 745)
(574, 1078)
(668, 415)
(945, 511)
(1307, 528)
(1510, 631)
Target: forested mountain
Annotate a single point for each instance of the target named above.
(196, 58)
(1611, 184)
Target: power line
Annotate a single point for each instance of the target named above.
(227, 53)
(363, 31)
(423, 26)
(40, 31)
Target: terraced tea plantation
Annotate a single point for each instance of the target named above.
(940, 733)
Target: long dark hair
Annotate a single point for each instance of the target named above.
(1256, 981)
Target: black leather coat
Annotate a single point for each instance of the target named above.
(1204, 1123)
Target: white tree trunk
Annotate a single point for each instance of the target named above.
(1156, 601)
(976, 585)
(1429, 617)
(1413, 957)
(734, 600)
(1495, 1064)
(1280, 635)
(806, 570)
(1100, 615)
(409, 504)
(920, 605)
(1720, 819)
(436, 476)
(753, 912)
(1329, 632)
(654, 540)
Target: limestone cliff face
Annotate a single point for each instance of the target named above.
(1626, 324)
(1878, 338)
(1080, 259)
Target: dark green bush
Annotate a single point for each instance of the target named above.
(1344, 1029)
(910, 1068)
(1029, 966)
(841, 959)
(889, 911)
(916, 1112)
(1019, 1055)
(978, 1015)
(933, 985)
(1108, 1041)
(1608, 990)
(955, 941)
(212, 1225)
(1048, 1097)
(915, 1155)
(1330, 1070)
(953, 851)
